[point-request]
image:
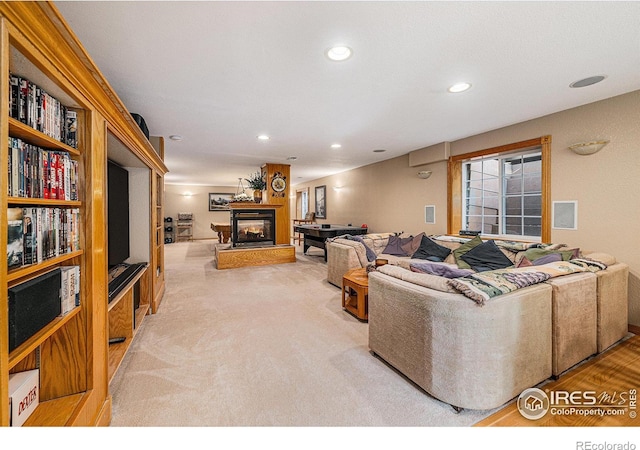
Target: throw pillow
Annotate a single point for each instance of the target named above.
(464, 248)
(524, 262)
(431, 251)
(535, 253)
(412, 245)
(553, 257)
(486, 256)
(394, 247)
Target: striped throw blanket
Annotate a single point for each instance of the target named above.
(483, 286)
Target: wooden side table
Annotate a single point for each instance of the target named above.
(355, 293)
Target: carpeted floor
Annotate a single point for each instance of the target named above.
(261, 346)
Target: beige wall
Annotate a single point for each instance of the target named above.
(388, 196)
(198, 203)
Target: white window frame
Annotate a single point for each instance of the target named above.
(455, 202)
(500, 179)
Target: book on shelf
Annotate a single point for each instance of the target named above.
(29, 218)
(14, 97)
(23, 93)
(15, 250)
(39, 173)
(70, 288)
(75, 284)
(33, 106)
(71, 128)
(40, 233)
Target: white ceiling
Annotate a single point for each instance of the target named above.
(220, 73)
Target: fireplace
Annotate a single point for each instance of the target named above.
(253, 227)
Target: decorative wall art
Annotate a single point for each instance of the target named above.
(219, 201)
(321, 202)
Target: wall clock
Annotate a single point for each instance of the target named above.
(278, 183)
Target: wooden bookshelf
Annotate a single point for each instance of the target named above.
(71, 352)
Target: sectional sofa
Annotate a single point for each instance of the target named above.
(477, 339)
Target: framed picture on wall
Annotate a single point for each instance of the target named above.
(321, 202)
(219, 201)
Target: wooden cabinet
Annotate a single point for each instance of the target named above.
(157, 242)
(126, 313)
(71, 352)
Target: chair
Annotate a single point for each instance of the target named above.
(309, 217)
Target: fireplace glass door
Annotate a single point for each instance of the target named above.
(253, 227)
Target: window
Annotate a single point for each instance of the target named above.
(503, 195)
(305, 203)
(503, 191)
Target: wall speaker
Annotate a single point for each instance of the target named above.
(565, 215)
(430, 214)
(32, 305)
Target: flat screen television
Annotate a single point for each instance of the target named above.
(118, 213)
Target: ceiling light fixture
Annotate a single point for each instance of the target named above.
(263, 137)
(175, 137)
(379, 150)
(459, 87)
(291, 158)
(339, 53)
(587, 81)
(336, 146)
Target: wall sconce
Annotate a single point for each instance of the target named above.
(424, 174)
(187, 194)
(588, 148)
(337, 188)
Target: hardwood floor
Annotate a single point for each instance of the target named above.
(617, 371)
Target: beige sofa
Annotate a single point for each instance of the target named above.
(481, 357)
(462, 354)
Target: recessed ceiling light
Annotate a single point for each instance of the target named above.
(336, 146)
(587, 81)
(263, 137)
(379, 150)
(175, 137)
(459, 87)
(339, 53)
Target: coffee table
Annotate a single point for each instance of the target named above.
(355, 293)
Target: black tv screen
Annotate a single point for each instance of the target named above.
(118, 214)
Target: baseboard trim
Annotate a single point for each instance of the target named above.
(635, 329)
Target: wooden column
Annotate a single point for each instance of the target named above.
(277, 193)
